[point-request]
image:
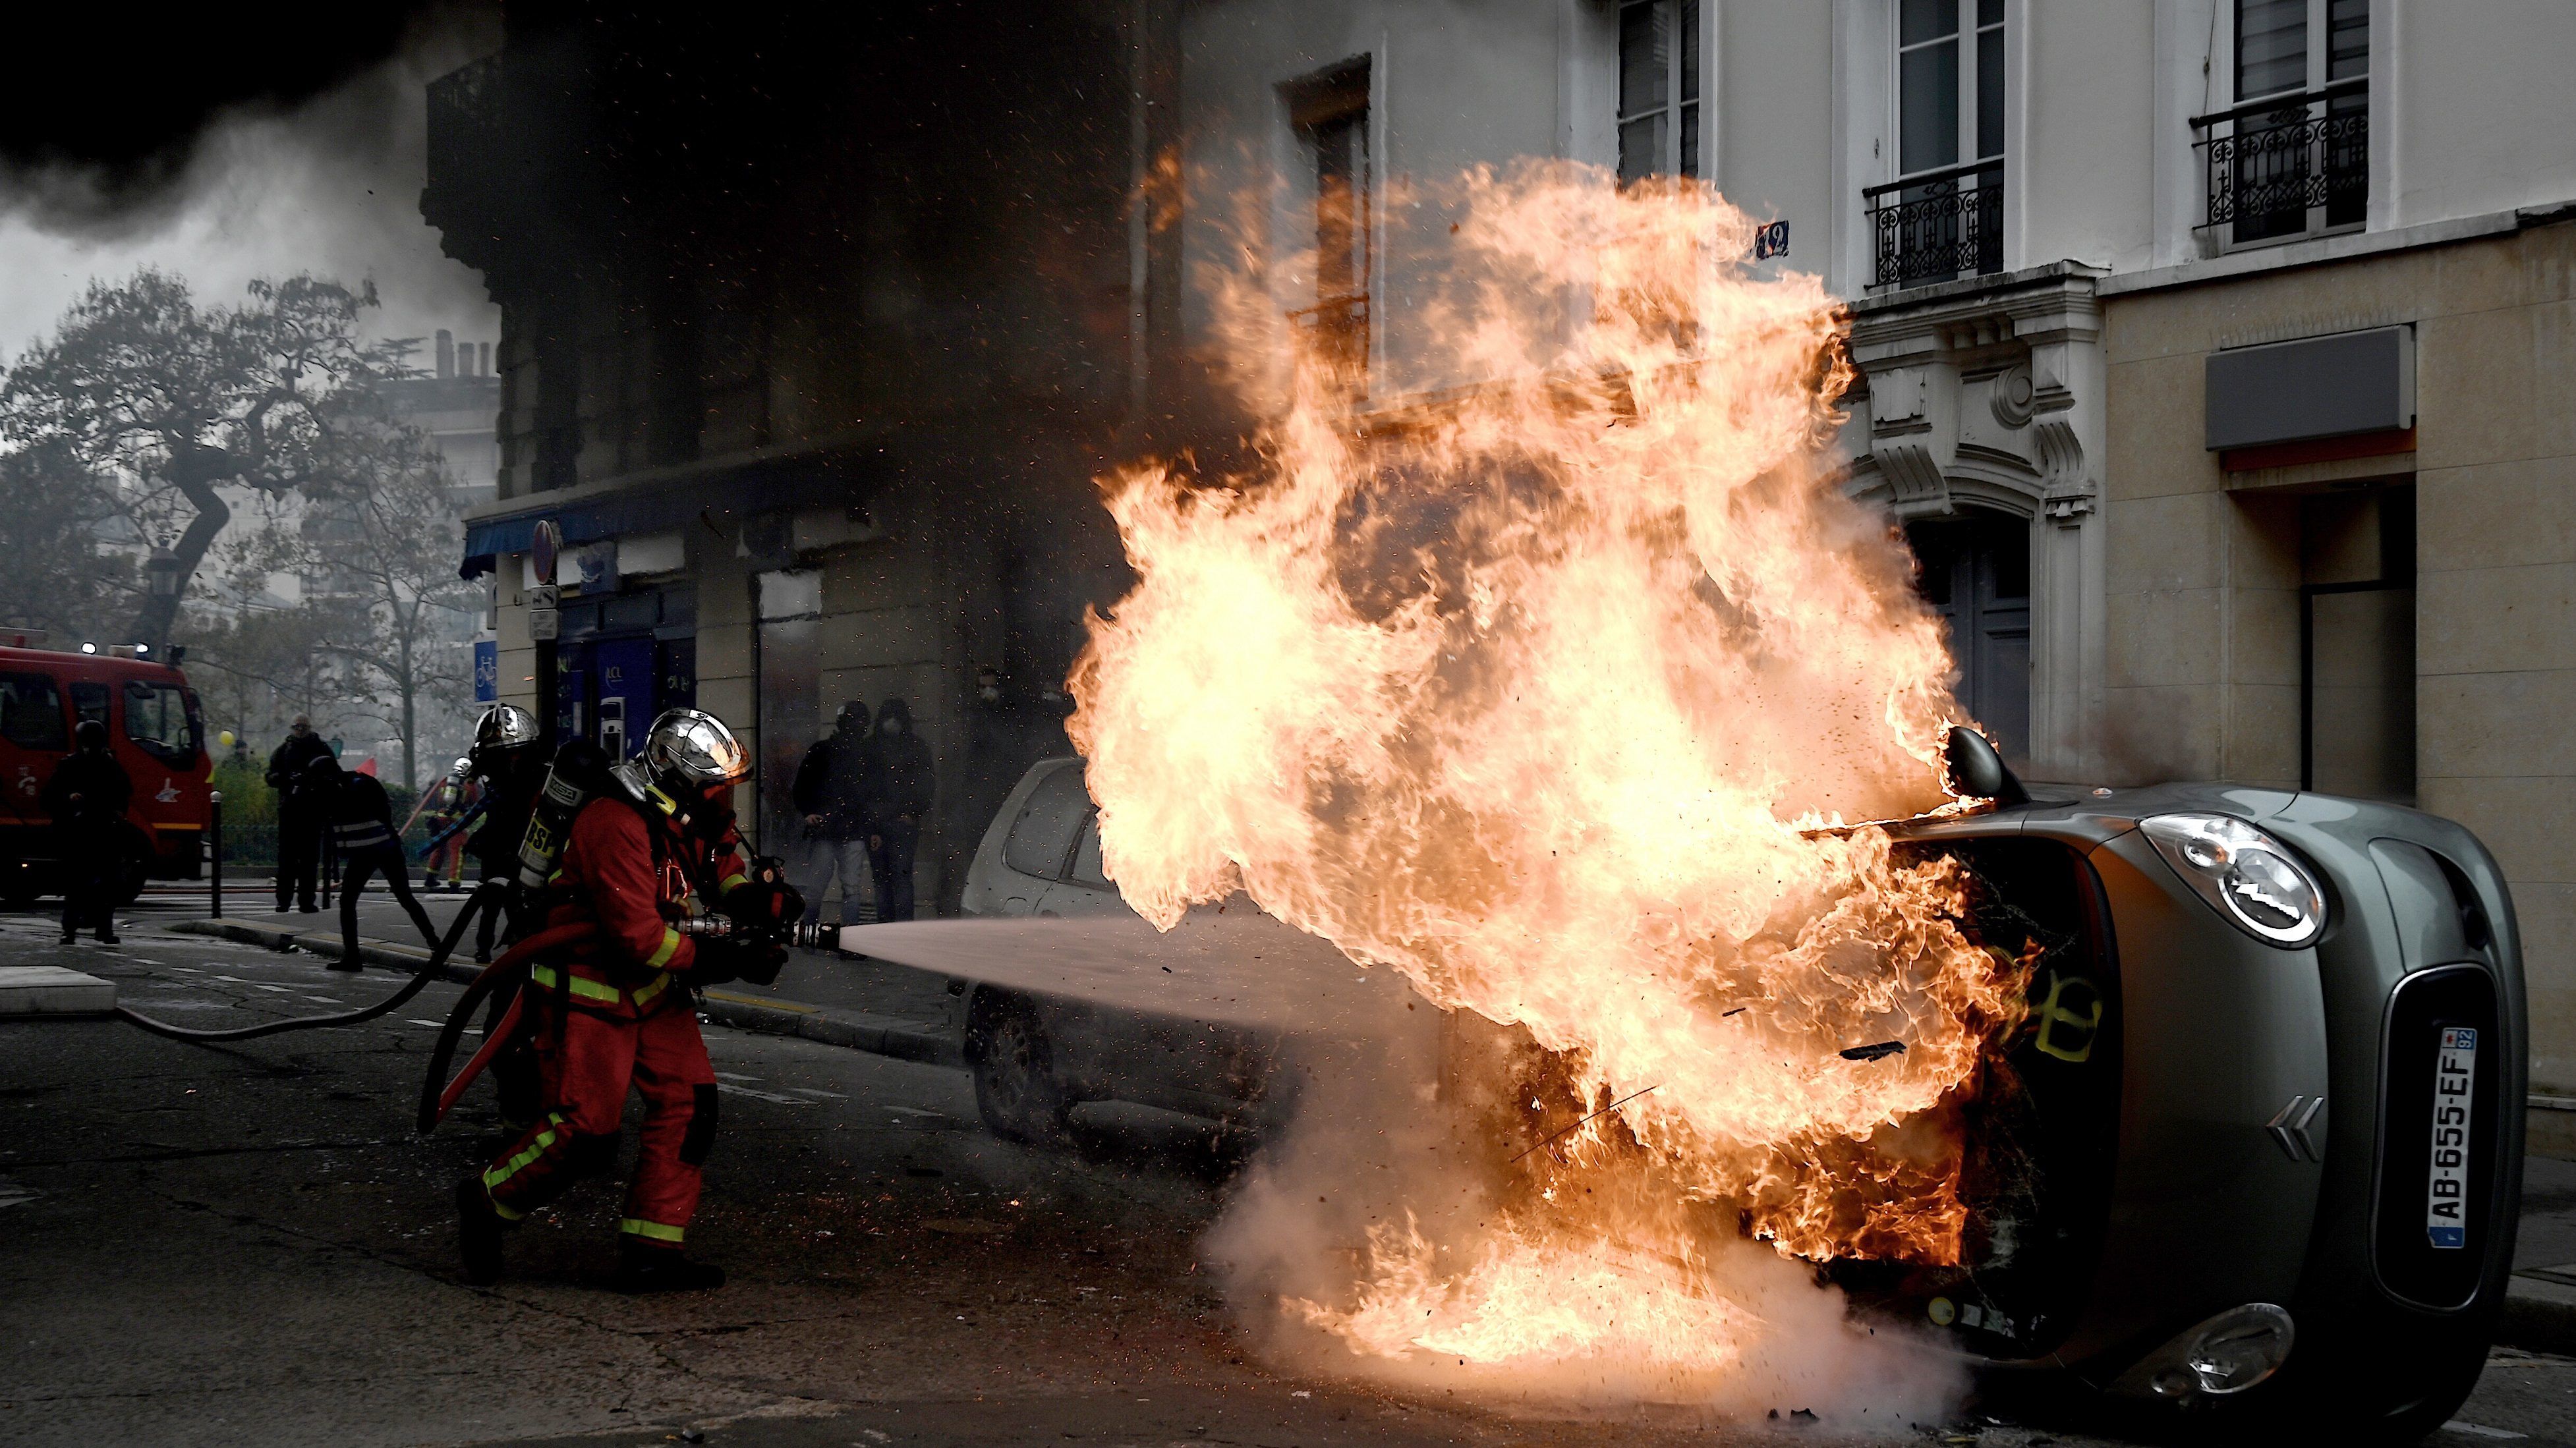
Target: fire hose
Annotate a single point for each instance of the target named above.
(437, 1093)
(485, 897)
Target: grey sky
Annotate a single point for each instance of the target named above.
(331, 188)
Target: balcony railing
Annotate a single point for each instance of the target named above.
(1939, 226)
(1334, 334)
(2289, 165)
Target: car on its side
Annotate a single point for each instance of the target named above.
(2259, 1150)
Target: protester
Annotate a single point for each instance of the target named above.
(899, 783)
(300, 815)
(362, 823)
(831, 793)
(87, 798)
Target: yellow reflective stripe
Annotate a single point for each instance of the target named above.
(504, 1212)
(670, 947)
(535, 1149)
(637, 1226)
(645, 993)
(545, 975)
(725, 885)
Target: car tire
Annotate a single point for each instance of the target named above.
(1013, 1065)
(137, 871)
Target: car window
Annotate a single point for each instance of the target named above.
(31, 712)
(89, 700)
(1086, 856)
(159, 717)
(1043, 834)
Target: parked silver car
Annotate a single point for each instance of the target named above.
(2261, 1151)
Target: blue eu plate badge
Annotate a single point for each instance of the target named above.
(2446, 1193)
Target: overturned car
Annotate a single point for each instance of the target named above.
(2258, 1147)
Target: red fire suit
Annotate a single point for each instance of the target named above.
(614, 1016)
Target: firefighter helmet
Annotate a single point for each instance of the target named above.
(688, 751)
(505, 726)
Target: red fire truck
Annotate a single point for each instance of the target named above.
(153, 726)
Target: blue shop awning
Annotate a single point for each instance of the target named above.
(718, 499)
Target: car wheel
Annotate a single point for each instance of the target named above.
(1016, 1090)
(136, 873)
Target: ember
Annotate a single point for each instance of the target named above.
(1538, 695)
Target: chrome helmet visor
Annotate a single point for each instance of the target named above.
(693, 750)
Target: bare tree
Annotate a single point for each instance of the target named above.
(157, 403)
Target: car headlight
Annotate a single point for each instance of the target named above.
(2248, 876)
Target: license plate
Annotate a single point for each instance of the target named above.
(2446, 1200)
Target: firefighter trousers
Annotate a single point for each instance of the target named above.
(587, 1062)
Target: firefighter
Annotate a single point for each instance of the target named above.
(87, 798)
(617, 1013)
(509, 757)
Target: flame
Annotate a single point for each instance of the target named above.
(1535, 690)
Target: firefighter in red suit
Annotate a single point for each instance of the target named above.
(618, 1012)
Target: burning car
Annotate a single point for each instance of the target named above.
(2256, 1142)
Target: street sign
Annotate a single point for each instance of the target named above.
(487, 670)
(544, 548)
(546, 597)
(543, 624)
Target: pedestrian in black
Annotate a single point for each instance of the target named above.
(899, 783)
(301, 815)
(831, 793)
(87, 798)
(362, 822)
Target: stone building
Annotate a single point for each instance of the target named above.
(2206, 348)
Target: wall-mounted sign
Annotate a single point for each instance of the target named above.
(1770, 239)
(543, 549)
(487, 670)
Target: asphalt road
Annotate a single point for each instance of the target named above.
(246, 1245)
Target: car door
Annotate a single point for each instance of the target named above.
(1041, 840)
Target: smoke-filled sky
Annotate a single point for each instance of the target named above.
(329, 184)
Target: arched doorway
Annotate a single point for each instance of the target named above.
(1975, 572)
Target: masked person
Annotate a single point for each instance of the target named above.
(509, 758)
(831, 793)
(616, 1014)
(362, 824)
(87, 798)
(900, 779)
(300, 815)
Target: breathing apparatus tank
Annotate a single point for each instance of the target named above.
(579, 775)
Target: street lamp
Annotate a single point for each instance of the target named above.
(161, 572)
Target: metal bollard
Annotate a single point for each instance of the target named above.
(215, 850)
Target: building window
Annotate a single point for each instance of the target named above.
(1331, 117)
(1658, 89)
(1942, 217)
(2292, 156)
(2357, 643)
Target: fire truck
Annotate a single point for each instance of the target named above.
(155, 731)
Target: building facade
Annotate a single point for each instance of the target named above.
(2205, 349)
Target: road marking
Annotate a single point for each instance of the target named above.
(279, 989)
(327, 1000)
(811, 1091)
(2476, 1430)
(781, 1098)
(918, 1111)
(734, 1076)
(417, 1021)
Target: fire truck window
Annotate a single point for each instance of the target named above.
(157, 717)
(89, 701)
(31, 712)
(1043, 834)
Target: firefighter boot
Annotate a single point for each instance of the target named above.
(478, 1232)
(662, 1269)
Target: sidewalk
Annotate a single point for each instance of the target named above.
(851, 1001)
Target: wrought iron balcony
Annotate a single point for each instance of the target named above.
(2288, 165)
(1938, 226)
(1334, 334)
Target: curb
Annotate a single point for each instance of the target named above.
(904, 1040)
(2539, 1316)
